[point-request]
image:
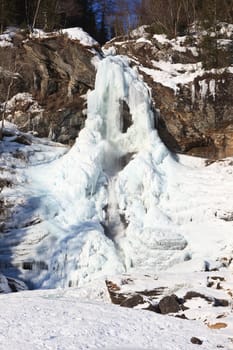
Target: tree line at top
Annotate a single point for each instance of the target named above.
(176, 17)
(104, 19)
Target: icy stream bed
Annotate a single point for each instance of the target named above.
(80, 215)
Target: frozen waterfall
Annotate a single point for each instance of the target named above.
(99, 208)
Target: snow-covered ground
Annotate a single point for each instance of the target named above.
(51, 320)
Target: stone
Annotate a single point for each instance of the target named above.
(169, 304)
(192, 294)
(195, 340)
(217, 325)
(220, 302)
(132, 301)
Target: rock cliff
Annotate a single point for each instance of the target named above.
(193, 100)
(49, 77)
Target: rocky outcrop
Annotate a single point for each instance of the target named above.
(9, 284)
(193, 101)
(200, 121)
(49, 77)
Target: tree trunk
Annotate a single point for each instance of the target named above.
(36, 14)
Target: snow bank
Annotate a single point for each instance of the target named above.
(6, 40)
(75, 33)
(51, 320)
(79, 34)
(7, 36)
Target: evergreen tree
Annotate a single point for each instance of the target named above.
(7, 14)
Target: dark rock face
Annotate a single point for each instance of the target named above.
(55, 73)
(199, 125)
(197, 117)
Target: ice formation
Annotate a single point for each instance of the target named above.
(117, 200)
(109, 207)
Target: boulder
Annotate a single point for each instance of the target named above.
(133, 300)
(195, 340)
(169, 304)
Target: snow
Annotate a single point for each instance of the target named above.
(177, 44)
(51, 320)
(6, 37)
(163, 70)
(226, 28)
(6, 40)
(24, 98)
(80, 35)
(140, 31)
(144, 40)
(172, 74)
(161, 38)
(75, 33)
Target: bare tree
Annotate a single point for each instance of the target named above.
(36, 14)
(167, 16)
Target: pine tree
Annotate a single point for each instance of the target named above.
(7, 14)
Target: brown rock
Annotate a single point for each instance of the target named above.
(132, 301)
(169, 304)
(217, 325)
